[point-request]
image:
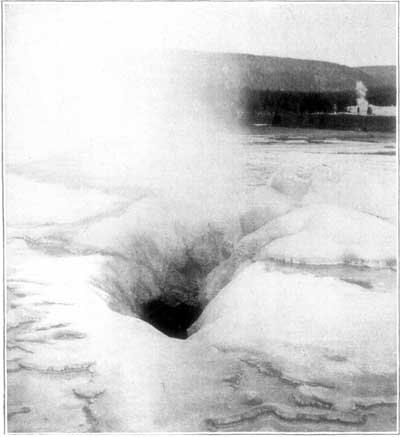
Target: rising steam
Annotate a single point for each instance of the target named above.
(361, 92)
(137, 121)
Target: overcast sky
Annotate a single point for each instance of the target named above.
(352, 34)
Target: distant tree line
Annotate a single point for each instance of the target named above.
(252, 101)
(382, 96)
(249, 104)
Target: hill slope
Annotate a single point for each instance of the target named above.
(384, 74)
(266, 72)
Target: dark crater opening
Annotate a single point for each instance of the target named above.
(173, 318)
(165, 287)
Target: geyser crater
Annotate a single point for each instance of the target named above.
(171, 317)
(162, 286)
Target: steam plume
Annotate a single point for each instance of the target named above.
(361, 91)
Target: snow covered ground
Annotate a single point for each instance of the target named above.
(289, 246)
(377, 110)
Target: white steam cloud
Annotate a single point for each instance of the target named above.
(119, 122)
(361, 91)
